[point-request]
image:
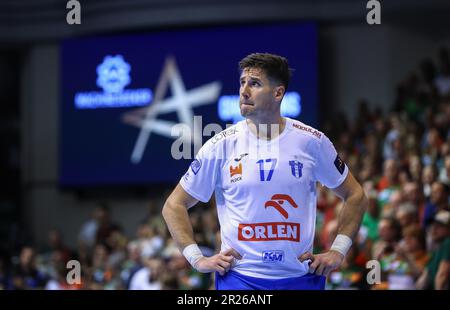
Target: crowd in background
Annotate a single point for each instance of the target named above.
(402, 159)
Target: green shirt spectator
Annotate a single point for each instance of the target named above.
(442, 253)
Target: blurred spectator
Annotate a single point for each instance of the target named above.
(391, 137)
(429, 175)
(402, 266)
(413, 195)
(413, 249)
(415, 168)
(438, 201)
(55, 246)
(117, 243)
(394, 199)
(25, 274)
(132, 263)
(442, 81)
(437, 272)
(148, 277)
(431, 147)
(389, 231)
(444, 175)
(390, 175)
(105, 225)
(100, 273)
(406, 215)
(150, 242)
(88, 232)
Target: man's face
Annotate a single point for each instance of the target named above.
(411, 191)
(385, 231)
(427, 175)
(437, 193)
(259, 98)
(447, 165)
(390, 169)
(439, 232)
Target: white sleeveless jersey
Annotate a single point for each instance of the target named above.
(266, 193)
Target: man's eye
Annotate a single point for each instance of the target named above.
(255, 84)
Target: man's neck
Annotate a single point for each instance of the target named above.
(267, 129)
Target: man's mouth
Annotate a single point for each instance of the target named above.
(247, 103)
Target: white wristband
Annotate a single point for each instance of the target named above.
(193, 254)
(341, 244)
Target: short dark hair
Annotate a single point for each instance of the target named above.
(276, 67)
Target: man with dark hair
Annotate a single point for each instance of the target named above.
(438, 201)
(264, 171)
(276, 67)
(437, 272)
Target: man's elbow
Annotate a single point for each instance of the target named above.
(167, 209)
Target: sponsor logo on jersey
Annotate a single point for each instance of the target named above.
(278, 200)
(340, 166)
(271, 231)
(224, 134)
(273, 256)
(308, 129)
(236, 172)
(296, 168)
(196, 165)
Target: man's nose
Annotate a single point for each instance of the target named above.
(245, 93)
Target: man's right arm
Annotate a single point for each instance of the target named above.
(177, 219)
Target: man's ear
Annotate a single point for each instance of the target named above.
(279, 92)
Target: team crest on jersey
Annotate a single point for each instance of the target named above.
(236, 173)
(196, 165)
(296, 168)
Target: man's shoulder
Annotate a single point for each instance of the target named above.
(306, 131)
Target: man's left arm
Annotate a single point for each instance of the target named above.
(349, 221)
(441, 281)
(355, 204)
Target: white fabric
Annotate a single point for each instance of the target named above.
(246, 172)
(141, 281)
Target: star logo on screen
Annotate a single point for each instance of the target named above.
(181, 102)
